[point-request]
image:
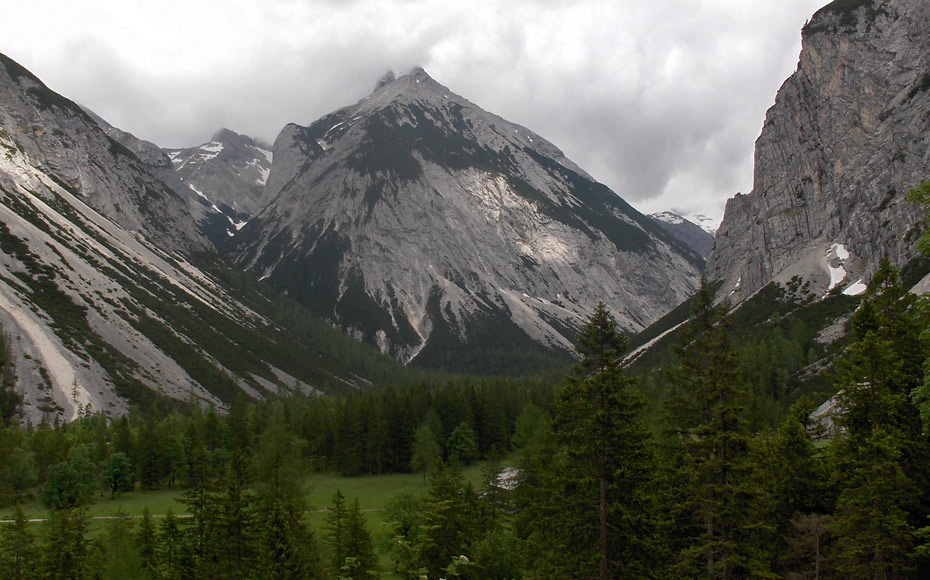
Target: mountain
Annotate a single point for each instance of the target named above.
(706, 223)
(109, 294)
(693, 235)
(444, 234)
(221, 180)
(228, 176)
(846, 139)
(60, 139)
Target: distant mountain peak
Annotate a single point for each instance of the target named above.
(668, 217)
(697, 235)
(225, 134)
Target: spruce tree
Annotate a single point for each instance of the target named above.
(146, 543)
(19, 550)
(716, 503)
(237, 517)
(336, 533)
(360, 562)
(598, 487)
(174, 559)
(881, 459)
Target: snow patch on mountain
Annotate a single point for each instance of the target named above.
(669, 217)
(706, 223)
(857, 288)
(835, 259)
(213, 148)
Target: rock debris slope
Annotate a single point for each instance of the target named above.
(99, 296)
(433, 229)
(848, 136)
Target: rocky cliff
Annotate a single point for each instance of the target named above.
(431, 228)
(847, 137)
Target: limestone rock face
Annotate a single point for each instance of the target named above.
(848, 136)
(61, 139)
(427, 226)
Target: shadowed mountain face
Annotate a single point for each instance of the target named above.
(437, 231)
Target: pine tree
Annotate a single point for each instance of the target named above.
(175, 561)
(201, 529)
(789, 469)
(336, 533)
(716, 502)
(287, 548)
(881, 459)
(119, 556)
(65, 548)
(19, 550)
(874, 536)
(146, 539)
(598, 486)
(360, 562)
(450, 523)
(236, 526)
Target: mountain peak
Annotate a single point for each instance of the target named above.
(416, 75)
(388, 78)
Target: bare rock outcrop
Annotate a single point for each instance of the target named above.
(848, 136)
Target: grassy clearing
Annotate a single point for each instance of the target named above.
(372, 492)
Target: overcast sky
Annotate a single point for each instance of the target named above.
(661, 100)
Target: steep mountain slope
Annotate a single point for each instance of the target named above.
(99, 296)
(59, 138)
(848, 136)
(440, 232)
(689, 233)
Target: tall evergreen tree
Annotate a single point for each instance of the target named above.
(146, 538)
(360, 562)
(174, 559)
(336, 532)
(716, 502)
(881, 459)
(598, 486)
(65, 548)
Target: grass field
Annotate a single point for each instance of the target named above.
(372, 492)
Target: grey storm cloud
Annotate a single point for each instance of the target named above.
(662, 101)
